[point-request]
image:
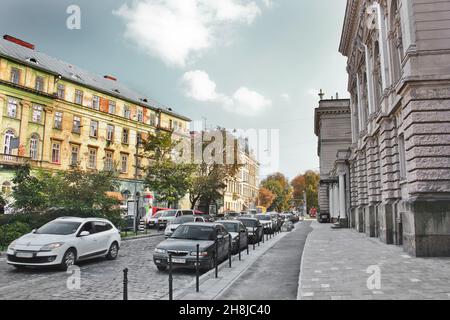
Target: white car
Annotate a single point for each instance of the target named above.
(168, 216)
(65, 241)
(173, 225)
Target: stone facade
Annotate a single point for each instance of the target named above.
(333, 129)
(399, 81)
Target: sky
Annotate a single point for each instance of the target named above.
(238, 64)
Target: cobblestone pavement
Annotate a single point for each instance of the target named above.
(336, 262)
(100, 279)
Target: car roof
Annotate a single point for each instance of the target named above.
(228, 221)
(247, 218)
(204, 224)
(78, 219)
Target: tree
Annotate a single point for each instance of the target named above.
(40, 190)
(278, 184)
(219, 163)
(167, 177)
(309, 183)
(265, 197)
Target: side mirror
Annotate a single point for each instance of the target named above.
(33, 231)
(84, 233)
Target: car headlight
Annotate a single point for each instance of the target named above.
(201, 253)
(157, 250)
(52, 246)
(12, 245)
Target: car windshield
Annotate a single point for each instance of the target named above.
(230, 226)
(183, 219)
(59, 228)
(190, 232)
(249, 223)
(263, 217)
(170, 213)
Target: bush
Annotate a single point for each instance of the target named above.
(10, 232)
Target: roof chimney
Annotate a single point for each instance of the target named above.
(337, 95)
(19, 42)
(110, 78)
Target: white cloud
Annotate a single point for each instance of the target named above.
(178, 30)
(286, 97)
(198, 86)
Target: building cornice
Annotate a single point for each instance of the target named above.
(350, 21)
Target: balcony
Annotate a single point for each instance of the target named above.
(9, 159)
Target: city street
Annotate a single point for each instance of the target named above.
(100, 279)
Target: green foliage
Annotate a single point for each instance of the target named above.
(10, 232)
(278, 184)
(40, 190)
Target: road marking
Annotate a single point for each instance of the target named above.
(414, 280)
(308, 294)
(325, 285)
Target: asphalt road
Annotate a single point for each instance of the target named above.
(274, 276)
(99, 279)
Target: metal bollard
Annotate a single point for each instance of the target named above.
(254, 238)
(170, 278)
(259, 240)
(239, 245)
(264, 234)
(216, 257)
(230, 238)
(197, 269)
(125, 284)
(246, 231)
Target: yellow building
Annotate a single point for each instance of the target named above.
(64, 117)
(241, 192)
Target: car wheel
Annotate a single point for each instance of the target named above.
(68, 259)
(161, 268)
(113, 251)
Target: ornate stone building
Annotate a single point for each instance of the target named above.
(399, 82)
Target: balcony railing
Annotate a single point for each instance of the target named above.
(13, 159)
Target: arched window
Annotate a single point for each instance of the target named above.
(9, 135)
(34, 146)
(6, 187)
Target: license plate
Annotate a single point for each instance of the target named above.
(175, 260)
(324, 217)
(24, 255)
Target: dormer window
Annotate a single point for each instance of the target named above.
(33, 60)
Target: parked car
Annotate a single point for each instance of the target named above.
(171, 227)
(252, 224)
(238, 232)
(206, 217)
(266, 222)
(232, 215)
(65, 241)
(153, 221)
(182, 245)
(276, 220)
(170, 215)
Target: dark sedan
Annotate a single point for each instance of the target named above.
(182, 246)
(253, 224)
(238, 232)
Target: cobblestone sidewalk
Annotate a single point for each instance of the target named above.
(343, 264)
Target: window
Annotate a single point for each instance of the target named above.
(109, 164)
(102, 226)
(56, 152)
(15, 75)
(124, 163)
(112, 107)
(75, 150)
(9, 136)
(95, 102)
(92, 164)
(127, 112)
(37, 113)
(94, 129)
(34, 145)
(76, 126)
(170, 124)
(125, 135)
(58, 120)
(78, 97)
(153, 119)
(61, 92)
(110, 132)
(12, 108)
(138, 138)
(140, 115)
(39, 85)
(402, 156)
(6, 187)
